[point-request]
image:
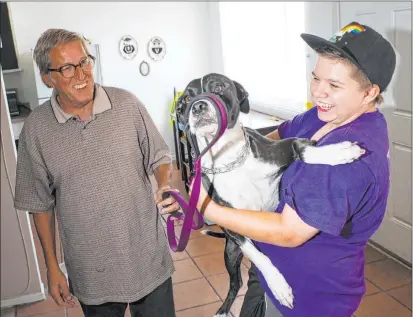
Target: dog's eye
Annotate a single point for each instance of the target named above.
(187, 99)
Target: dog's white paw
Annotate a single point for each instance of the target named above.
(278, 285)
(333, 154)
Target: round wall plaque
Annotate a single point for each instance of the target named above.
(128, 47)
(156, 48)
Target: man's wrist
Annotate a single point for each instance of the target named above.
(52, 265)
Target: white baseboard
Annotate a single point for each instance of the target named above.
(25, 299)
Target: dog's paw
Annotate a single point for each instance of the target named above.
(333, 154)
(278, 285)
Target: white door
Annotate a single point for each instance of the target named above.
(394, 21)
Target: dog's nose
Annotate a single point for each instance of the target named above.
(199, 107)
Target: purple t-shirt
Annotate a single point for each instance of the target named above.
(346, 203)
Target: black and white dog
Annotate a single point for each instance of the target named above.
(243, 170)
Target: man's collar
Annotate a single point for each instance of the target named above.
(101, 103)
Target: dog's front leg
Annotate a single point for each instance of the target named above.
(332, 154)
(233, 257)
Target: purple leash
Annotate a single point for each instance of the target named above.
(192, 218)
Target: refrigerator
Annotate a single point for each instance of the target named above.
(21, 281)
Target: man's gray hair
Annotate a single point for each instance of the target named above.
(49, 40)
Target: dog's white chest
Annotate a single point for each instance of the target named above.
(250, 186)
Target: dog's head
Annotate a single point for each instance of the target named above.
(201, 115)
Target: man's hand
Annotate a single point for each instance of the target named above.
(167, 205)
(59, 289)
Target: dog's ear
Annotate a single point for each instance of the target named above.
(192, 90)
(242, 95)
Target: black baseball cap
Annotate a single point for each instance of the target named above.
(365, 48)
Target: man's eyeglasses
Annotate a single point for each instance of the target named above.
(69, 70)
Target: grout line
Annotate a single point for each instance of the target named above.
(376, 261)
(387, 292)
(202, 273)
(390, 289)
(398, 301)
(191, 280)
(222, 300)
(388, 255)
(400, 286)
(218, 301)
(381, 290)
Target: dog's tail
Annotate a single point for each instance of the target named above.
(214, 234)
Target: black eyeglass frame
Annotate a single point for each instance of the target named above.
(75, 66)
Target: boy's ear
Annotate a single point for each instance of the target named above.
(372, 93)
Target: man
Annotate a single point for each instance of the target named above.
(86, 156)
(327, 213)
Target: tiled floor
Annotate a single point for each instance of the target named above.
(200, 283)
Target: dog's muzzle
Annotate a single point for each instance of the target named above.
(199, 107)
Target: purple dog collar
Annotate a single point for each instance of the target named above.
(192, 218)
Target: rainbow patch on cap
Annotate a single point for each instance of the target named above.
(351, 28)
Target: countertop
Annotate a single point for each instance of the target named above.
(17, 122)
(259, 120)
(24, 113)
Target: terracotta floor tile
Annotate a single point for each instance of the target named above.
(186, 270)
(75, 312)
(204, 245)
(381, 305)
(372, 255)
(213, 228)
(388, 274)
(208, 310)
(54, 313)
(198, 233)
(178, 256)
(403, 294)
(236, 307)
(193, 293)
(37, 308)
(211, 264)
(371, 289)
(194, 233)
(220, 283)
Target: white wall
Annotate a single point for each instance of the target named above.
(182, 25)
(321, 19)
